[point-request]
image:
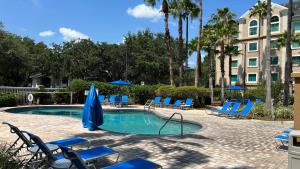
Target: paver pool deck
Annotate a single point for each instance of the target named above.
(222, 142)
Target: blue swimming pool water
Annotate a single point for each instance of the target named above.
(121, 121)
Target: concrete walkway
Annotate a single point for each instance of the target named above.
(222, 142)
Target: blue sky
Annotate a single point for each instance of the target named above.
(101, 20)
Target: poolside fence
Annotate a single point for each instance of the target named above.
(23, 92)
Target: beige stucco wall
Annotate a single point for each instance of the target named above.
(244, 37)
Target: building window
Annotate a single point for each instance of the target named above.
(253, 27)
(296, 60)
(274, 60)
(234, 78)
(296, 26)
(274, 44)
(234, 64)
(275, 76)
(252, 62)
(251, 78)
(252, 46)
(275, 24)
(295, 45)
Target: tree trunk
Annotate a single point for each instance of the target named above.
(168, 41)
(186, 42)
(222, 59)
(229, 71)
(267, 59)
(210, 80)
(288, 63)
(180, 51)
(259, 50)
(198, 64)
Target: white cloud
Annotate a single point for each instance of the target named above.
(71, 34)
(47, 33)
(144, 11)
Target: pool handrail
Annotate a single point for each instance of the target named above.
(181, 122)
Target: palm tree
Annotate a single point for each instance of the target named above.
(260, 10)
(183, 9)
(208, 43)
(267, 59)
(231, 50)
(226, 30)
(288, 62)
(165, 10)
(198, 63)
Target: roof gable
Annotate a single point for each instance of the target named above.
(273, 5)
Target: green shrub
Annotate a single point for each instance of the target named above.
(43, 98)
(6, 160)
(199, 94)
(256, 92)
(8, 100)
(59, 98)
(283, 112)
(260, 110)
(142, 93)
(78, 87)
(277, 88)
(217, 94)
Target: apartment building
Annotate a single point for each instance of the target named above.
(248, 58)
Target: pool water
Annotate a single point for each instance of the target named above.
(121, 121)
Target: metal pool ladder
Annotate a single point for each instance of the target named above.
(181, 121)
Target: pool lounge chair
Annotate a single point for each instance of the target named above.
(125, 100)
(59, 161)
(157, 101)
(69, 142)
(137, 163)
(282, 139)
(233, 109)
(101, 98)
(188, 103)
(176, 104)
(244, 112)
(224, 108)
(111, 99)
(166, 102)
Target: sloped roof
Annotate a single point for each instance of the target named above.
(273, 5)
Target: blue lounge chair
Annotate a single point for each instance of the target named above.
(137, 163)
(233, 109)
(101, 98)
(69, 142)
(57, 161)
(188, 103)
(246, 101)
(283, 139)
(124, 100)
(111, 99)
(287, 132)
(166, 101)
(157, 101)
(224, 108)
(244, 112)
(176, 104)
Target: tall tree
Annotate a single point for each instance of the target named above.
(231, 50)
(268, 63)
(288, 61)
(260, 10)
(183, 9)
(165, 10)
(198, 62)
(224, 24)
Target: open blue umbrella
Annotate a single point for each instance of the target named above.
(235, 88)
(92, 111)
(120, 83)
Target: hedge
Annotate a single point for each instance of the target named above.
(142, 93)
(200, 95)
(8, 100)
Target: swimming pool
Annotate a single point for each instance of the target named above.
(121, 121)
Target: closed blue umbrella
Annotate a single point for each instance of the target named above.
(92, 111)
(120, 83)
